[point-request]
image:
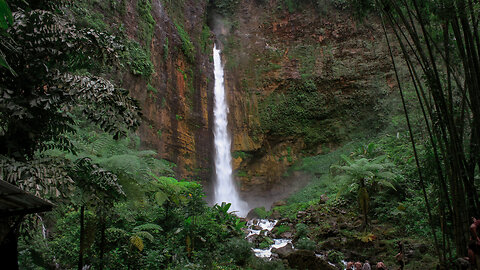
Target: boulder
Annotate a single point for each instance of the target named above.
(286, 235)
(275, 214)
(254, 238)
(252, 215)
(257, 228)
(306, 259)
(283, 252)
(279, 203)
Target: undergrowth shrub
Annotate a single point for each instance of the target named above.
(305, 243)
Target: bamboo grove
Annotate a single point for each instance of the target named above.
(439, 42)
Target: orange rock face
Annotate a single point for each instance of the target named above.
(176, 118)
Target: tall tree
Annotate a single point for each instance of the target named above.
(440, 43)
(41, 89)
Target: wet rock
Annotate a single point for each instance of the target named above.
(283, 252)
(253, 238)
(256, 227)
(284, 221)
(252, 215)
(286, 235)
(275, 214)
(306, 259)
(279, 203)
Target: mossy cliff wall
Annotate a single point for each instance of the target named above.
(301, 80)
(176, 100)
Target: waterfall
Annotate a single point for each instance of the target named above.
(225, 189)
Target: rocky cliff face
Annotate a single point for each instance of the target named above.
(177, 101)
(301, 81)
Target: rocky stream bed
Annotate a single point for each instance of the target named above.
(274, 245)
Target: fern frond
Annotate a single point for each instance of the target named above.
(145, 235)
(137, 242)
(148, 227)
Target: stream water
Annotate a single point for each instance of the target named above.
(265, 226)
(225, 188)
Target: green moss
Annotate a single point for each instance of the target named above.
(87, 14)
(241, 173)
(281, 229)
(307, 56)
(146, 23)
(241, 154)
(266, 243)
(187, 45)
(205, 39)
(232, 45)
(302, 111)
(150, 88)
(289, 154)
(188, 77)
(305, 243)
(261, 212)
(137, 59)
(225, 7)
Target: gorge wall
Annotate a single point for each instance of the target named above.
(302, 79)
(177, 99)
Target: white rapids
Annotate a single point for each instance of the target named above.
(225, 189)
(266, 226)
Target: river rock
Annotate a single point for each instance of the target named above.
(275, 214)
(284, 221)
(253, 238)
(257, 228)
(306, 259)
(279, 203)
(283, 252)
(286, 235)
(252, 215)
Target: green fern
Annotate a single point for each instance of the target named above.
(145, 235)
(148, 227)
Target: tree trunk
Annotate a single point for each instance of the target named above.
(82, 232)
(102, 239)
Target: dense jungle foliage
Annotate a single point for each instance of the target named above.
(68, 135)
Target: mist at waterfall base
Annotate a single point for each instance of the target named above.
(225, 189)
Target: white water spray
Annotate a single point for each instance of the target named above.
(225, 190)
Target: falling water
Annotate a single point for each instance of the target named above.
(225, 190)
